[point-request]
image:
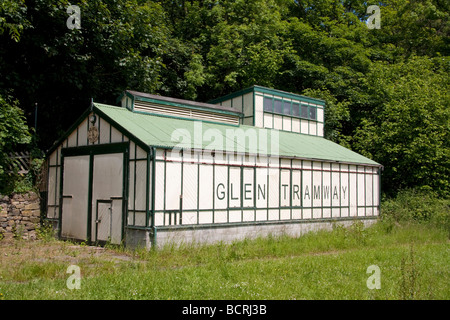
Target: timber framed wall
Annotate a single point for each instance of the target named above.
(197, 190)
(202, 187)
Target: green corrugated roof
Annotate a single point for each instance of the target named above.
(169, 132)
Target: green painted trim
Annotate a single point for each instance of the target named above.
(231, 95)
(275, 92)
(60, 200)
(288, 95)
(254, 108)
(147, 190)
(89, 202)
(95, 149)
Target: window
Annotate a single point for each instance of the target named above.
(296, 109)
(286, 107)
(289, 108)
(304, 113)
(268, 104)
(312, 113)
(277, 106)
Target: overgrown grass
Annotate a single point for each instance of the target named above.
(412, 254)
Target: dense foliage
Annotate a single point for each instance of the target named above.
(387, 89)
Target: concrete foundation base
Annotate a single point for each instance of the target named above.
(227, 233)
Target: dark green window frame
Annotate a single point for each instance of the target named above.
(289, 108)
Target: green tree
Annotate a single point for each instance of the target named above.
(409, 129)
(119, 46)
(13, 132)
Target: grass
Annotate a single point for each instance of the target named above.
(413, 260)
(411, 253)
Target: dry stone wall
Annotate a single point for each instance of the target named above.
(19, 215)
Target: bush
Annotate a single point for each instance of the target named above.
(418, 206)
(13, 132)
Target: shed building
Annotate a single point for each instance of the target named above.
(156, 170)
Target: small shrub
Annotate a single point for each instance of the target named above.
(416, 206)
(45, 232)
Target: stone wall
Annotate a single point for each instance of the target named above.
(19, 216)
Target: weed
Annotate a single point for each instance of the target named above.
(409, 274)
(45, 232)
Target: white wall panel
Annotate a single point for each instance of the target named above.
(304, 126)
(189, 186)
(220, 216)
(159, 218)
(235, 216)
(248, 104)
(353, 192)
(205, 217)
(327, 188)
(285, 188)
(295, 125)
(75, 186)
(316, 187)
(104, 128)
(277, 122)
(320, 132)
(274, 214)
(82, 133)
(336, 189)
(259, 113)
(237, 103)
(261, 215)
(131, 185)
(261, 187)
(361, 186)
(307, 188)
(320, 114)
(220, 188)
(287, 124)
(141, 184)
(190, 217)
(116, 136)
(296, 188)
(139, 218)
(285, 214)
(317, 213)
(248, 188)
(173, 185)
(160, 185)
(234, 187)
(312, 128)
(274, 188)
(140, 153)
(72, 139)
(307, 213)
(268, 120)
(206, 188)
(296, 214)
(248, 215)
